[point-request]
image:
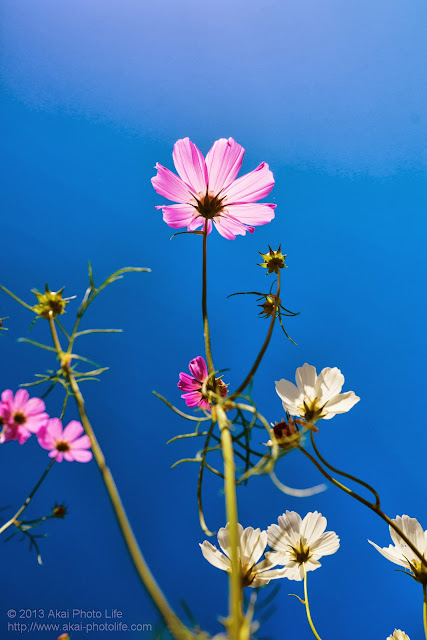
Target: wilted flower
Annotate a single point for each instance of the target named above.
(315, 397)
(273, 261)
(398, 635)
(20, 415)
(400, 553)
(207, 189)
(198, 385)
(65, 444)
(252, 543)
(299, 544)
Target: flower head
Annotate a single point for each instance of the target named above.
(252, 543)
(65, 444)
(59, 511)
(20, 415)
(50, 303)
(398, 635)
(207, 190)
(199, 384)
(273, 261)
(315, 396)
(298, 544)
(400, 553)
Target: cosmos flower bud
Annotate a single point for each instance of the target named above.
(50, 303)
(273, 261)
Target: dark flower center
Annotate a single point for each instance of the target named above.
(209, 205)
(62, 446)
(19, 418)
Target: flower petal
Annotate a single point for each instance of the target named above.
(215, 557)
(341, 403)
(192, 399)
(72, 431)
(290, 395)
(190, 164)
(170, 186)
(313, 526)
(413, 530)
(392, 553)
(327, 544)
(230, 228)
(223, 163)
(251, 187)
(79, 455)
(328, 384)
(21, 398)
(199, 369)
(252, 543)
(253, 214)
(305, 378)
(177, 216)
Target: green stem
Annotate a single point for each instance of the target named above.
(425, 609)
(176, 627)
(28, 500)
(307, 608)
(236, 592)
(208, 349)
(343, 473)
(260, 356)
(372, 506)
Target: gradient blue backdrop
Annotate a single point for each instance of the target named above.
(333, 96)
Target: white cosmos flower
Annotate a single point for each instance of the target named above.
(400, 553)
(300, 543)
(252, 543)
(315, 396)
(398, 635)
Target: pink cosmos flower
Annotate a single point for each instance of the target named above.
(65, 444)
(207, 189)
(195, 395)
(20, 415)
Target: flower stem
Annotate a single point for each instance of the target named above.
(307, 608)
(235, 606)
(176, 627)
(260, 356)
(373, 506)
(343, 473)
(425, 609)
(208, 349)
(28, 500)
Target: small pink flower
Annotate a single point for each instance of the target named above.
(195, 396)
(65, 444)
(20, 415)
(207, 189)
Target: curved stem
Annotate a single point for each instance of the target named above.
(176, 627)
(236, 592)
(28, 500)
(425, 610)
(368, 504)
(204, 304)
(260, 356)
(307, 608)
(343, 473)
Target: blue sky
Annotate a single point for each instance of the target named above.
(333, 96)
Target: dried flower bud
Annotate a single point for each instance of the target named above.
(59, 511)
(50, 303)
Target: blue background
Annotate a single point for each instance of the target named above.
(333, 96)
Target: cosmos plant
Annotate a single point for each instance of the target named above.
(235, 441)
